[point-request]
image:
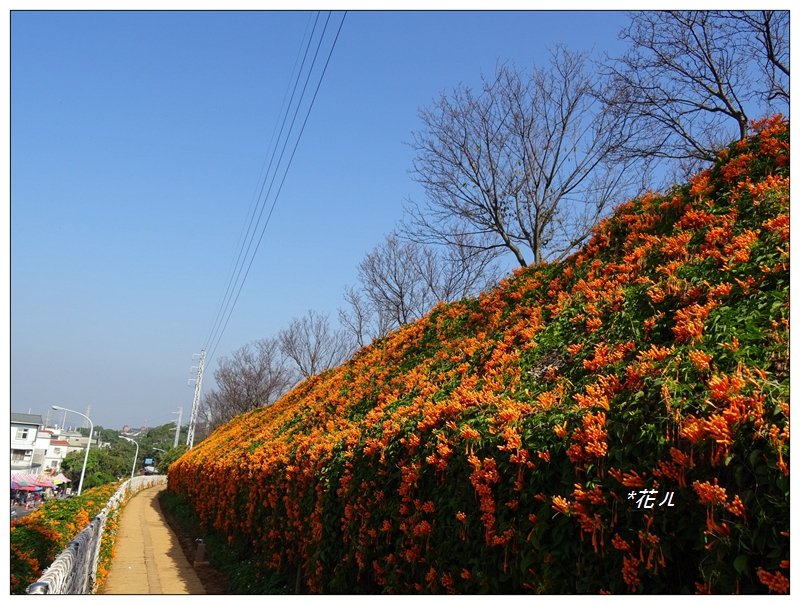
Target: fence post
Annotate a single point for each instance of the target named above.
(38, 588)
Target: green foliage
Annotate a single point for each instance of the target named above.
(39, 537)
(163, 463)
(492, 447)
(114, 462)
(245, 574)
(103, 465)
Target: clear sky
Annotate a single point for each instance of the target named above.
(138, 142)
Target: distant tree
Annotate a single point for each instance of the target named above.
(107, 435)
(362, 319)
(313, 345)
(171, 455)
(254, 376)
(402, 280)
(390, 280)
(692, 81)
(454, 271)
(156, 438)
(522, 166)
(103, 465)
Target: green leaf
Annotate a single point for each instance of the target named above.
(740, 563)
(728, 459)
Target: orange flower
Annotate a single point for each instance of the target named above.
(689, 321)
(717, 428)
(776, 582)
(701, 184)
(632, 479)
(548, 399)
(710, 495)
(700, 359)
(655, 353)
(722, 387)
(423, 528)
(738, 250)
(469, 433)
(561, 505)
(620, 544)
(630, 573)
(779, 225)
(574, 349)
(736, 507)
(593, 323)
(695, 219)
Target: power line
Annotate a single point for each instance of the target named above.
(247, 238)
(285, 171)
(236, 278)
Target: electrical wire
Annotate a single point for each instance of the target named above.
(247, 238)
(239, 279)
(227, 310)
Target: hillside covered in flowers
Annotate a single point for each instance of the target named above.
(614, 423)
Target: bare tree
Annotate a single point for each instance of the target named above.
(452, 272)
(313, 345)
(402, 280)
(254, 376)
(523, 166)
(362, 319)
(390, 281)
(765, 35)
(693, 80)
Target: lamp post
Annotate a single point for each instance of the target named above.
(135, 456)
(88, 444)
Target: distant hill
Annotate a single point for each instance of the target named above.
(617, 422)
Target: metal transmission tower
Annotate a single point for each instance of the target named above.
(178, 427)
(198, 383)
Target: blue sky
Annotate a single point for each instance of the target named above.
(137, 144)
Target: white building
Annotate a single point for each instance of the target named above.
(24, 433)
(40, 447)
(56, 452)
(77, 442)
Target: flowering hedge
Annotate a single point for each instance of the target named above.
(39, 537)
(617, 422)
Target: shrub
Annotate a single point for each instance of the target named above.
(617, 422)
(39, 537)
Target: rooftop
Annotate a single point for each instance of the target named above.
(35, 419)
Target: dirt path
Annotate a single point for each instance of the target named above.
(149, 559)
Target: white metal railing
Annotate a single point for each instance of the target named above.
(74, 571)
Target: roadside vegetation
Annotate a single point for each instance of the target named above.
(614, 422)
(38, 538)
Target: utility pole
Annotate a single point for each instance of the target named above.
(178, 427)
(198, 384)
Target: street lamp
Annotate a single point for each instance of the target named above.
(135, 456)
(88, 444)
